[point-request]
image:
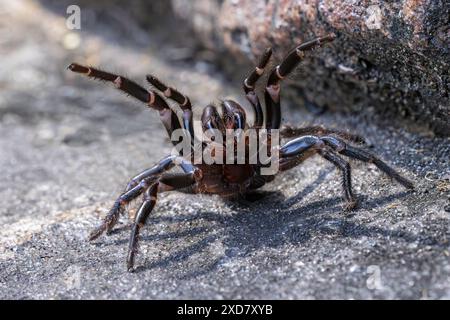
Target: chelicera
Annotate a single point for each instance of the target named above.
(229, 179)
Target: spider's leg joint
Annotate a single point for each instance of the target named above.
(151, 98)
(167, 93)
(300, 53)
(118, 82)
(185, 102)
(277, 72)
(259, 71)
(148, 198)
(336, 144)
(247, 85)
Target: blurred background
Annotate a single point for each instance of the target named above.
(68, 143)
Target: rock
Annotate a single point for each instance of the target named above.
(393, 56)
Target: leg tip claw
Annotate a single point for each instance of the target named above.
(410, 186)
(331, 36)
(406, 183)
(351, 205)
(96, 233)
(130, 266)
(92, 237)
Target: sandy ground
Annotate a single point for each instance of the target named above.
(69, 145)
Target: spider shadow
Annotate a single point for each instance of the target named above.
(244, 233)
(262, 224)
(239, 203)
(152, 237)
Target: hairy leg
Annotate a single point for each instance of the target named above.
(167, 182)
(182, 100)
(297, 150)
(362, 155)
(151, 98)
(136, 187)
(344, 166)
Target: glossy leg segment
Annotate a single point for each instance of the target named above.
(171, 122)
(136, 187)
(250, 81)
(290, 132)
(151, 98)
(141, 217)
(301, 148)
(300, 145)
(290, 62)
(164, 165)
(249, 88)
(183, 101)
(170, 92)
(357, 153)
(165, 183)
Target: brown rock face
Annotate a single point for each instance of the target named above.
(390, 56)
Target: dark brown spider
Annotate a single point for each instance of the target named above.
(229, 179)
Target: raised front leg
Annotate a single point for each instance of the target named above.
(182, 100)
(151, 98)
(280, 72)
(249, 88)
(345, 168)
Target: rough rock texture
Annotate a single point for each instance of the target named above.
(68, 146)
(393, 56)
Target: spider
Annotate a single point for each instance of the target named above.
(229, 179)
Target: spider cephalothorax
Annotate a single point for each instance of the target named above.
(229, 178)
